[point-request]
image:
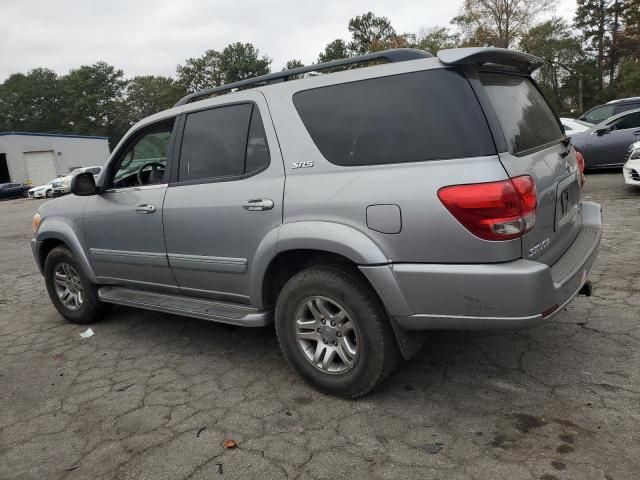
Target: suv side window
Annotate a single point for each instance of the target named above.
(214, 143)
(146, 153)
(412, 117)
(258, 157)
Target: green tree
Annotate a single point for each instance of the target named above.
(554, 42)
(335, 50)
(498, 23)
(239, 61)
(200, 73)
(149, 94)
(294, 63)
(370, 33)
(95, 101)
(630, 78)
(629, 42)
(433, 39)
(291, 64)
(592, 17)
(31, 101)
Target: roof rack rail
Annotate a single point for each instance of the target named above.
(392, 56)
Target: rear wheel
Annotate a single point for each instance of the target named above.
(333, 331)
(69, 289)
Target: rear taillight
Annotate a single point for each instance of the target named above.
(581, 166)
(494, 211)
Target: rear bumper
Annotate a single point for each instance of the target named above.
(517, 294)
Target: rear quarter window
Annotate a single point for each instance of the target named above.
(413, 117)
(525, 117)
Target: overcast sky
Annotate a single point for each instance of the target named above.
(153, 36)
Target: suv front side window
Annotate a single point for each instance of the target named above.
(144, 159)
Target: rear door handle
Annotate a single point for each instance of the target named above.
(146, 208)
(258, 205)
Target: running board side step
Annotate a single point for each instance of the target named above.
(204, 309)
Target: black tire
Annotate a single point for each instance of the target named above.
(91, 308)
(49, 194)
(378, 352)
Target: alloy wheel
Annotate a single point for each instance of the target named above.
(327, 335)
(68, 286)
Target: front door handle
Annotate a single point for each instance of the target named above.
(258, 205)
(146, 208)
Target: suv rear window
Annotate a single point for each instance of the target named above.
(526, 118)
(412, 117)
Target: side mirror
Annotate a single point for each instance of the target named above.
(602, 130)
(83, 184)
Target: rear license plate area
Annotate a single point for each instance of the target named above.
(567, 200)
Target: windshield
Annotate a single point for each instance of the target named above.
(598, 114)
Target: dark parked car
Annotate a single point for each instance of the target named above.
(605, 145)
(602, 112)
(13, 190)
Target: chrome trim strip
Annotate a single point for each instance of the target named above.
(212, 264)
(130, 257)
(136, 188)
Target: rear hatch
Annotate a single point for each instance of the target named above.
(535, 146)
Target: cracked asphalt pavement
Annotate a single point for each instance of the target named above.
(153, 396)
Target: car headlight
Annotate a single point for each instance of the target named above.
(36, 222)
(635, 154)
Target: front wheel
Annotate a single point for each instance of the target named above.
(49, 194)
(333, 331)
(69, 288)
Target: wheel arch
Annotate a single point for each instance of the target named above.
(306, 240)
(53, 233)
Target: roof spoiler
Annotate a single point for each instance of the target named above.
(523, 62)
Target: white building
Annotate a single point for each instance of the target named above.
(37, 158)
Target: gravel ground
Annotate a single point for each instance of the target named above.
(153, 396)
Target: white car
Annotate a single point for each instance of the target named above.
(62, 186)
(42, 191)
(631, 169)
(571, 125)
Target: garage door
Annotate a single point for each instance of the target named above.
(40, 167)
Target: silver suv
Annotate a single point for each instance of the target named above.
(353, 209)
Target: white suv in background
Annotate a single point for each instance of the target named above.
(62, 185)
